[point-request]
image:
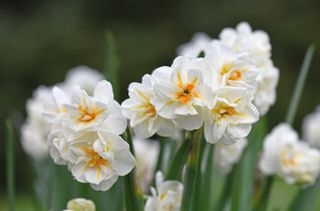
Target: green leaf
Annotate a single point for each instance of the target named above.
(10, 164)
(112, 64)
(306, 198)
(244, 170)
(176, 166)
(293, 106)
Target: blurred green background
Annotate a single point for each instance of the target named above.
(41, 39)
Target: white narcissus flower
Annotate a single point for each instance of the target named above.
(311, 128)
(231, 117)
(145, 167)
(226, 155)
(284, 155)
(196, 46)
(82, 76)
(167, 197)
(80, 204)
(143, 116)
(35, 130)
(180, 92)
(256, 45)
(229, 68)
(82, 111)
(99, 158)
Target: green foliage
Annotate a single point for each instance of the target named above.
(10, 165)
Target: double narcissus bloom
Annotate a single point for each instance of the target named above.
(293, 160)
(35, 130)
(80, 204)
(85, 135)
(139, 108)
(226, 155)
(167, 196)
(311, 128)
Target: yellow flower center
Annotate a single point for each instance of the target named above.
(151, 111)
(87, 116)
(289, 158)
(235, 75)
(223, 110)
(95, 160)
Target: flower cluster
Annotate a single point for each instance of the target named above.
(293, 160)
(85, 135)
(36, 129)
(255, 48)
(167, 197)
(216, 91)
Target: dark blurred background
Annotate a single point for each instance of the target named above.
(41, 39)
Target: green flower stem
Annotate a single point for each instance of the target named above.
(10, 164)
(133, 202)
(112, 64)
(176, 166)
(191, 171)
(199, 176)
(224, 195)
(295, 100)
(206, 182)
(264, 198)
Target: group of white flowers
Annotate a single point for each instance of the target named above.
(295, 161)
(222, 85)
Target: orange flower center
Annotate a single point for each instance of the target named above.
(95, 159)
(223, 110)
(87, 116)
(235, 75)
(151, 111)
(186, 94)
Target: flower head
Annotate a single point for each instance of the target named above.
(231, 117)
(284, 155)
(35, 130)
(311, 128)
(256, 45)
(80, 204)
(167, 197)
(143, 116)
(197, 47)
(180, 92)
(99, 158)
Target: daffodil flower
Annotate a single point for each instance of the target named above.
(256, 45)
(143, 116)
(99, 158)
(229, 68)
(231, 116)
(180, 92)
(167, 197)
(293, 160)
(80, 204)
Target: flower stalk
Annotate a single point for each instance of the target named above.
(191, 171)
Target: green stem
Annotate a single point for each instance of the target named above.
(206, 183)
(265, 197)
(225, 192)
(112, 64)
(131, 197)
(191, 172)
(199, 179)
(176, 166)
(10, 164)
(299, 85)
